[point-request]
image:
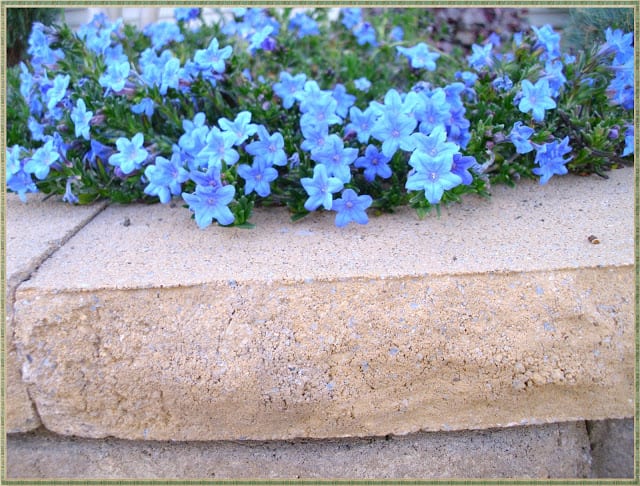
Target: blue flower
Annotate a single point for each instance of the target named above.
(186, 14)
(467, 77)
(434, 145)
(395, 104)
(21, 183)
(536, 98)
(69, 196)
(397, 34)
(219, 148)
(304, 24)
(362, 84)
(420, 56)
(494, 39)
(549, 157)
(288, 86)
(171, 75)
(98, 41)
(362, 122)
(351, 17)
(212, 58)
(131, 153)
(116, 76)
(432, 175)
(209, 203)
(394, 132)
(351, 207)
(481, 56)
(502, 83)
(14, 162)
(262, 39)
(315, 135)
(257, 177)
(58, 91)
(628, 141)
(81, 117)
(146, 106)
(36, 129)
(97, 152)
(193, 141)
(517, 38)
(374, 164)
(554, 75)
(344, 100)
(240, 126)
(453, 96)
(163, 33)
(39, 47)
(320, 188)
(165, 178)
(433, 111)
(308, 93)
(458, 128)
(336, 158)
(519, 137)
(461, 165)
(41, 161)
(269, 147)
(548, 40)
(619, 43)
(365, 34)
(320, 109)
(621, 88)
(115, 54)
(27, 81)
(211, 178)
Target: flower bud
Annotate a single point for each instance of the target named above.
(614, 133)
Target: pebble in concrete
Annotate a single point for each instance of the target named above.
(558, 450)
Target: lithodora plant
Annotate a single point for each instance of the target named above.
(354, 113)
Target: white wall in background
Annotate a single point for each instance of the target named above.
(141, 17)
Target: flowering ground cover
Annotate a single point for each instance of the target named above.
(357, 115)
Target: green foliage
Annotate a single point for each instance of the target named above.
(585, 113)
(587, 25)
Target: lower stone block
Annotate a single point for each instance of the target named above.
(330, 358)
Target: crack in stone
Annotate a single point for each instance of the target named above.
(16, 282)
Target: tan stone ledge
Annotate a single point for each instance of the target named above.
(34, 231)
(500, 312)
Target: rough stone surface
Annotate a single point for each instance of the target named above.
(499, 313)
(546, 451)
(33, 232)
(611, 448)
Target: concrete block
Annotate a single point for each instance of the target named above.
(612, 448)
(34, 231)
(544, 451)
(500, 312)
